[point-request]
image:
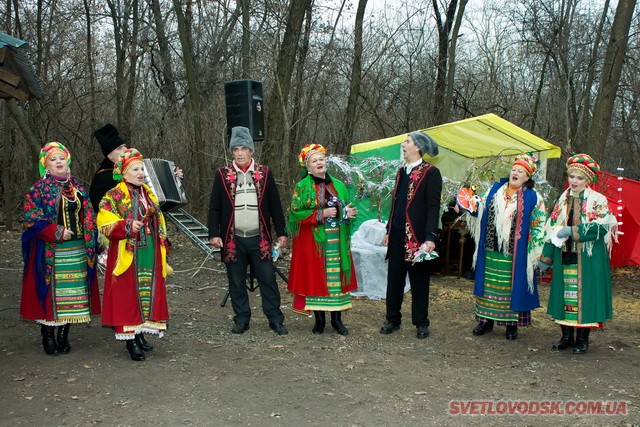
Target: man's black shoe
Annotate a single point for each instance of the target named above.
(279, 328)
(423, 331)
(239, 328)
(389, 327)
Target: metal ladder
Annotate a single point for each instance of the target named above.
(193, 229)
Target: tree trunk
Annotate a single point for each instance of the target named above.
(193, 103)
(444, 29)
(168, 80)
(17, 24)
(90, 67)
(120, 64)
(277, 152)
(343, 144)
(585, 105)
(448, 100)
(614, 58)
(536, 102)
(133, 66)
(19, 118)
(246, 40)
(7, 148)
(297, 117)
(309, 83)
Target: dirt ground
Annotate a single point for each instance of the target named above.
(201, 374)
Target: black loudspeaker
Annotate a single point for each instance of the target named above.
(245, 107)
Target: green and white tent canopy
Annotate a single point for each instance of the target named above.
(465, 142)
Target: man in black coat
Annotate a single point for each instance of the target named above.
(112, 145)
(244, 201)
(413, 224)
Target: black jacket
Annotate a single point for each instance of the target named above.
(222, 210)
(101, 183)
(423, 207)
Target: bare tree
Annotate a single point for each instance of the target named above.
(614, 58)
(355, 84)
(277, 149)
(246, 39)
(125, 21)
(7, 146)
(167, 77)
(90, 65)
(444, 31)
(298, 120)
(193, 101)
(448, 99)
(585, 119)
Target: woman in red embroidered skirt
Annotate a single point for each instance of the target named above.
(135, 295)
(59, 285)
(322, 273)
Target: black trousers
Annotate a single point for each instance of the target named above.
(248, 251)
(419, 278)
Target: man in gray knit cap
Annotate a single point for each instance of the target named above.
(413, 224)
(244, 201)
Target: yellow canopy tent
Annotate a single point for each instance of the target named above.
(466, 146)
(467, 141)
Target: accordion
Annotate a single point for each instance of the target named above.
(160, 176)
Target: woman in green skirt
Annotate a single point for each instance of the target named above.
(509, 230)
(579, 234)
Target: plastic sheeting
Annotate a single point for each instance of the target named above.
(623, 195)
(368, 257)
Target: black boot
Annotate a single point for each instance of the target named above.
(63, 339)
(49, 339)
(336, 322)
(134, 350)
(320, 316)
(582, 341)
(567, 338)
(485, 326)
(144, 345)
(512, 332)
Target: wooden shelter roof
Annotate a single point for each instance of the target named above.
(17, 76)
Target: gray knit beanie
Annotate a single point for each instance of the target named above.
(241, 137)
(425, 143)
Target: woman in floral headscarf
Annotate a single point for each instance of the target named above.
(59, 285)
(321, 274)
(509, 229)
(579, 234)
(135, 296)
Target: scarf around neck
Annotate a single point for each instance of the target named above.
(594, 210)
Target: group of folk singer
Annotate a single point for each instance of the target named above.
(65, 227)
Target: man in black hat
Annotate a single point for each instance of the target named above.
(112, 145)
(413, 224)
